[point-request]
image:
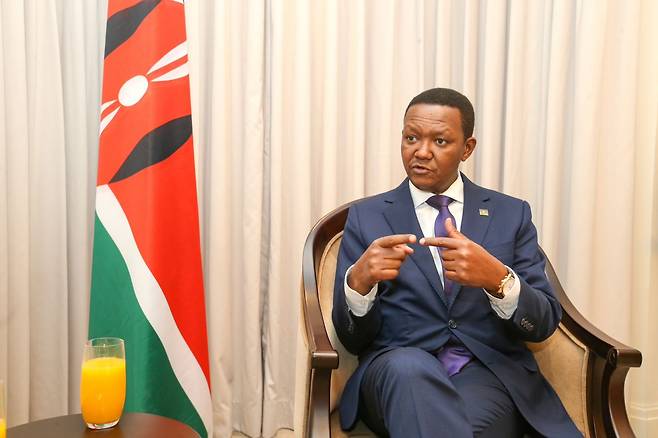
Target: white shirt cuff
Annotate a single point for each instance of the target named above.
(358, 304)
(506, 306)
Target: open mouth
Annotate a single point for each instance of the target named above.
(420, 170)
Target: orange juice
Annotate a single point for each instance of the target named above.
(3, 429)
(102, 389)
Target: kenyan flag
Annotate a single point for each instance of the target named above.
(147, 282)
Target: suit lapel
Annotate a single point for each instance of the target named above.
(478, 211)
(401, 216)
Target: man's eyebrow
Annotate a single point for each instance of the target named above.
(435, 131)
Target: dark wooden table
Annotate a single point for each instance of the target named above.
(132, 425)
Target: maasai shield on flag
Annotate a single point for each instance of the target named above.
(147, 283)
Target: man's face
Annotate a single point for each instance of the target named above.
(433, 145)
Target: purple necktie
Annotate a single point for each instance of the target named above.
(441, 202)
(453, 355)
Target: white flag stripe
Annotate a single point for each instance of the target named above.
(106, 121)
(106, 104)
(154, 305)
(174, 54)
(178, 72)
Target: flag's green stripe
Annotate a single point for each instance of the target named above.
(115, 311)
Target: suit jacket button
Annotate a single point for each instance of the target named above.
(452, 324)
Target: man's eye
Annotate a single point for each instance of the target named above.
(441, 141)
(410, 138)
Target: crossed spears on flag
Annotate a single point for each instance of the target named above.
(171, 66)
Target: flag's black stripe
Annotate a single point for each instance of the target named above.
(124, 23)
(156, 146)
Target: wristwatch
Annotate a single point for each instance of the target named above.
(505, 284)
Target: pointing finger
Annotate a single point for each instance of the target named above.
(451, 230)
(443, 242)
(395, 239)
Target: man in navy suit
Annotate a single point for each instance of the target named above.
(439, 284)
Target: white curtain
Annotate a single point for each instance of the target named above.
(297, 108)
(49, 92)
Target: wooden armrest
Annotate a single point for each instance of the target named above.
(322, 352)
(608, 366)
(324, 358)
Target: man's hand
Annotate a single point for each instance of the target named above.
(381, 261)
(466, 262)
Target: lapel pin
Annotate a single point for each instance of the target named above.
(484, 212)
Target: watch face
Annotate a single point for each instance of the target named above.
(508, 282)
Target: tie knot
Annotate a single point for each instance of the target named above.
(439, 201)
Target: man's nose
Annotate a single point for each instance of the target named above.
(424, 150)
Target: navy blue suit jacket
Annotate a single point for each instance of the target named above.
(412, 310)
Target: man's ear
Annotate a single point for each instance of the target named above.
(469, 147)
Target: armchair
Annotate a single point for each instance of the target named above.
(586, 367)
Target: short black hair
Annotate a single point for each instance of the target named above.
(451, 98)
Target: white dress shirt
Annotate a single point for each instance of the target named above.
(504, 307)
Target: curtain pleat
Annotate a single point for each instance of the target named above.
(15, 256)
(227, 56)
(642, 297)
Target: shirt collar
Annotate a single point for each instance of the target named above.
(455, 191)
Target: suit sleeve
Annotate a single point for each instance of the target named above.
(355, 332)
(538, 312)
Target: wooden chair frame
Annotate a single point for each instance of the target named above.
(607, 366)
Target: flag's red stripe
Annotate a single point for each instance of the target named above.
(160, 204)
(167, 68)
(163, 102)
(159, 201)
(160, 32)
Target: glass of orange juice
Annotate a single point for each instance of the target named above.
(3, 411)
(103, 382)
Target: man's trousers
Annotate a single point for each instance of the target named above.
(406, 392)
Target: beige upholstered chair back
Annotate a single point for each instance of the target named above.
(347, 361)
(562, 359)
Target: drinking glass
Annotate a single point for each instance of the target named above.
(103, 382)
(3, 411)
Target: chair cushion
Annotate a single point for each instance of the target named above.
(347, 361)
(561, 358)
